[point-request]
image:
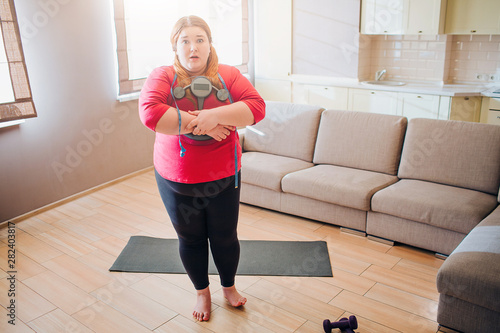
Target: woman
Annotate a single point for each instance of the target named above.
(196, 179)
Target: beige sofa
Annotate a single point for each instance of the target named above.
(449, 178)
(299, 160)
(426, 183)
(469, 280)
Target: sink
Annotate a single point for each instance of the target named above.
(385, 83)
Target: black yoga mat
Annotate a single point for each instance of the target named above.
(282, 258)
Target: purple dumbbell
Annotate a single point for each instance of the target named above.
(344, 324)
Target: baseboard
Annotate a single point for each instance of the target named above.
(73, 197)
(381, 240)
(353, 231)
(440, 256)
(444, 329)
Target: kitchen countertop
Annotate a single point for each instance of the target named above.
(492, 92)
(429, 88)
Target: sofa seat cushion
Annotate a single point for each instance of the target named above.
(267, 170)
(338, 185)
(442, 206)
(471, 272)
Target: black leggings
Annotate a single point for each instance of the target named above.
(201, 213)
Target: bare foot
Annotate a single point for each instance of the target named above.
(233, 297)
(203, 305)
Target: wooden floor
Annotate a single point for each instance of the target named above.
(63, 283)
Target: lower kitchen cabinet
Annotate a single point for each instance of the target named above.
(375, 101)
(326, 96)
(410, 105)
(462, 108)
(419, 106)
(490, 111)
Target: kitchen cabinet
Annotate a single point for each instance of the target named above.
(444, 107)
(490, 110)
(412, 105)
(440, 107)
(425, 17)
(382, 17)
(419, 106)
(465, 108)
(373, 101)
(398, 17)
(473, 17)
(461, 108)
(493, 117)
(326, 96)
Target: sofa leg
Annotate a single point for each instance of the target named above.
(353, 231)
(444, 329)
(440, 256)
(381, 240)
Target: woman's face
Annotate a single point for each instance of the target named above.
(193, 49)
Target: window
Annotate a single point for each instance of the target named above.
(15, 92)
(143, 30)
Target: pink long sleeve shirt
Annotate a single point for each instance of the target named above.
(203, 161)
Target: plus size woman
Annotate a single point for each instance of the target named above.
(197, 156)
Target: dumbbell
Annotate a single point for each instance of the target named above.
(344, 324)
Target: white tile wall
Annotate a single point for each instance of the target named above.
(446, 58)
(409, 57)
(472, 55)
(364, 61)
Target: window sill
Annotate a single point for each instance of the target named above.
(129, 97)
(11, 123)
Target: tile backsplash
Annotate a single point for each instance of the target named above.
(440, 58)
(471, 55)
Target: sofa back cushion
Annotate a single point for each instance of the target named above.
(456, 153)
(288, 130)
(360, 140)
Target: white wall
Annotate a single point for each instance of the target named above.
(326, 37)
(82, 136)
(309, 38)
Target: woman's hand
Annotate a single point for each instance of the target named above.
(221, 132)
(204, 122)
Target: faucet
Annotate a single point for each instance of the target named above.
(380, 74)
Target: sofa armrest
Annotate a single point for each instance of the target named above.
(471, 271)
(241, 133)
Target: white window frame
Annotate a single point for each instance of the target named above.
(130, 88)
(22, 106)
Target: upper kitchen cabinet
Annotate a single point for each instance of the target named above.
(425, 17)
(382, 17)
(399, 17)
(465, 17)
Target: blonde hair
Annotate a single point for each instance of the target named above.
(212, 62)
